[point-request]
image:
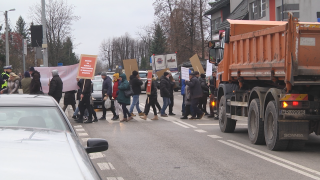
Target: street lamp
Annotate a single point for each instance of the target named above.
(7, 41)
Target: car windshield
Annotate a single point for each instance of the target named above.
(143, 75)
(97, 86)
(32, 117)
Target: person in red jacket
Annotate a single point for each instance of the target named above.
(116, 83)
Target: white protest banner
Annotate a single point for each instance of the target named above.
(68, 75)
(185, 73)
(209, 69)
(171, 62)
(159, 61)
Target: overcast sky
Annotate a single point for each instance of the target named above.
(99, 19)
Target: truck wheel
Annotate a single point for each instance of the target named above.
(296, 145)
(255, 123)
(227, 125)
(271, 129)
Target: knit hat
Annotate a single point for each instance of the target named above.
(196, 73)
(13, 74)
(165, 73)
(203, 75)
(116, 75)
(135, 73)
(31, 69)
(26, 74)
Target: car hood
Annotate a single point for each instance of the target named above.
(97, 94)
(42, 154)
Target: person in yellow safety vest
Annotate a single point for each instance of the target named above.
(5, 76)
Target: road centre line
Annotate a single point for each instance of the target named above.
(214, 136)
(200, 131)
(270, 160)
(277, 158)
(218, 124)
(182, 125)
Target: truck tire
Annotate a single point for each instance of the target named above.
(271, 129)
(255, 123)
(227, 125)
(296, 145)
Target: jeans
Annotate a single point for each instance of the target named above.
(135, 102)
(77, 110)
(166, 102)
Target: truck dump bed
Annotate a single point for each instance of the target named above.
(262, 50)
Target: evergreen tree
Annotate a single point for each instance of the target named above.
(143, 64)
(21, 27)
(158, 45)
(68, 56)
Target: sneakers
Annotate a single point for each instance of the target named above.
(102, 118)
(88, 121)
(164, 115)
(74, 117)
(115, 117)
(124, 120)
(133, 115)
(95, 120)
(184, 117)
(155, 117)
(129, 118)
(193, 118)
(172, 114)
(141, 114)
(144, 117)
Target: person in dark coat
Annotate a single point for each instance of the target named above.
(1, 82)
(212, 85)
(136, 83)
(173, 84)
(85, 101)
(205, 90)
(187, 101)
(196, 93)
(122, 99)
(35, 84)
(151, 100)
(56, 86)
(107, 93)
(165, 88)
(69, 99)
(25, 83)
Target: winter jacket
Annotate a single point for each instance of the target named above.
(115, 89)
(195, 88)
(204, 86)
(173, 85)
(79, 83)
(13, 86)
(56, 86)
(136, 84)
(122, 99)
(107, 87)
(212, 84)
(183, 85)
(187, 97)
(25, 85)
(69, 98)
(35, 84)
(165, 87)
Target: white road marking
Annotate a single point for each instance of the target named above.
(80, 130)
(200, 131)
(218, 124)
(82, 134)
(85, 139)
(182, 125)
(115, 178)
(186, 124)
(277, 158)
(96, 155)
(214, 136)
(111, 166)
(106, 166)
(78, 126)
(270, 160)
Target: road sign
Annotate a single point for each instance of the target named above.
(60, 64)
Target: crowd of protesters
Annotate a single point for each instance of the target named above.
(118, 91)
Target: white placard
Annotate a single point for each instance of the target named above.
(209, 69)
(25, 46)
(160, 62)
(185, 73)
(171, 62)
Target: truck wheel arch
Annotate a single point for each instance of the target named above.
(258, 92)
(272, 94)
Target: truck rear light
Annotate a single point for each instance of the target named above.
(295, 103)
(284, 104)
(213, 103)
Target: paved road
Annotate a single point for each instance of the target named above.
(191, 149)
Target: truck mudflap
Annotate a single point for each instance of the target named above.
(293, 129)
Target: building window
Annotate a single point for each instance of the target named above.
(293, 8)
(257, 9)
(215, 24)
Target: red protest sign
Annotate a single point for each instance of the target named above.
(87, 66)
(149, 78)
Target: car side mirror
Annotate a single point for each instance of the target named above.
(96, 145)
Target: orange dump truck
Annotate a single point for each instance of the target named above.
(268, 75)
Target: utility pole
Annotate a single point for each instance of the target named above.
(7, 41)
(44, 34)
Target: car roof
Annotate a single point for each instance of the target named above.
(24, 100)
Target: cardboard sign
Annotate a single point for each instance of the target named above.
(185, 73)
(87, 66)
(195, 62)
(160, 62)
(130, 65)
(149, 78)
(171, 61)
(160, 73)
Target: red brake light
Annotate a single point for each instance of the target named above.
(295, 103)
